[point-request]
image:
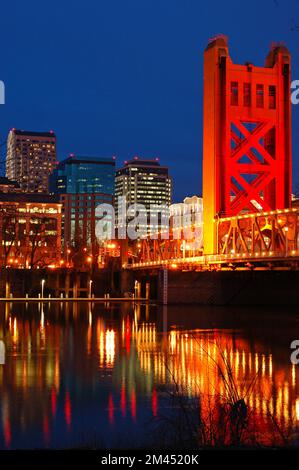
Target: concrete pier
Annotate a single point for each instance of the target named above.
(234, 288)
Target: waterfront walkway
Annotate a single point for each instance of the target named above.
(73, 299)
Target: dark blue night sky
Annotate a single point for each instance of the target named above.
(124, 77)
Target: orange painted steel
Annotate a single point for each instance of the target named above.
(159, 250)
(273, 233)
(264, 240)
(247, 135)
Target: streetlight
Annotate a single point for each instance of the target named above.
(136, 288)
(43, 284)
(90, 285)
(68, 252)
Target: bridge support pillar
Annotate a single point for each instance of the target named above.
(126, 281)
(137, 289)
(163, 286)
(147, 290)
(67, 284)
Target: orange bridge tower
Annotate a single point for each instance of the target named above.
(246, 136)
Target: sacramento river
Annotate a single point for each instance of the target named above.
(104, 375)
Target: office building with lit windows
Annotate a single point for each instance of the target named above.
(146, 182)
(83, 183)
(30, 230)
(186, 221)
(30, 159)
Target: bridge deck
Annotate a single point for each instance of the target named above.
(219, 260)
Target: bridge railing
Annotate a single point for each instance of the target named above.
(266, 233)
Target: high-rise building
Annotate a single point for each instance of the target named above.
(83, 183)
(83, 175)
(146, 182)
(30, 159)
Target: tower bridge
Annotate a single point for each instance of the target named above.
(248, 221)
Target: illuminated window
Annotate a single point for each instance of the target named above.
(247, 94)
(259, 96)
(272, 97)
(234, 92)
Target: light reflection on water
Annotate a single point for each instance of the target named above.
(81, 374)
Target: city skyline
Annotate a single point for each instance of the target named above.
(138, 97)
(149, 231)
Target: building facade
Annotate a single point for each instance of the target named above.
(145, 182)
(30, 230)
(186, 222)
(83, 183)
(188, 212)
(30, 159)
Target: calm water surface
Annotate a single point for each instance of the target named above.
(99, 375)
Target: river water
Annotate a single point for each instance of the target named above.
(119, 375)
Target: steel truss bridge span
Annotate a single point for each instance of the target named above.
(265, 240)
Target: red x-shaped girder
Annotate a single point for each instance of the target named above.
(265, 170)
